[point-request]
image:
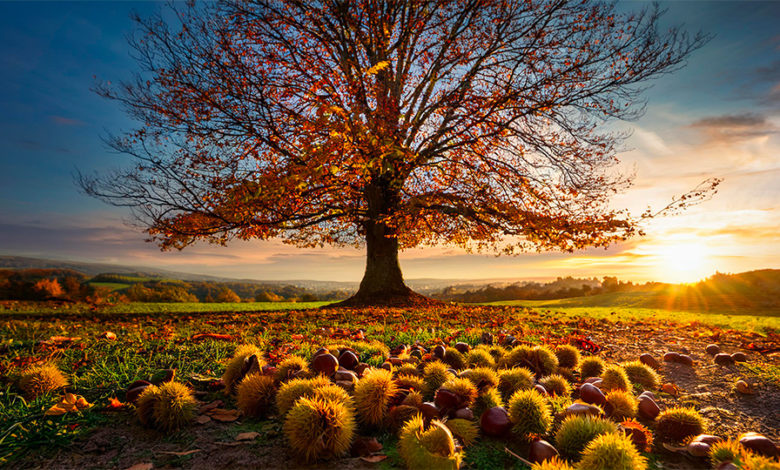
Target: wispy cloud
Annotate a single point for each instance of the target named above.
(64, 121)
(735, 127)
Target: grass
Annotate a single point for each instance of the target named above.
(37, 308)
(569, 308)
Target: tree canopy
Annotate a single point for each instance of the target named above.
(396, 123)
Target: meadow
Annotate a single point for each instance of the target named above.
(102, 353)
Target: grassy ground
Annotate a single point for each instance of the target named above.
(38, 308)
(149, 342)
(746, 320)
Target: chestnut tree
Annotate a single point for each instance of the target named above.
(394, 123)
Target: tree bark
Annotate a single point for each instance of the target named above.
(383, 283)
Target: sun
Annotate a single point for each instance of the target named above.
(684, 262)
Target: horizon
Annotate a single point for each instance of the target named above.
(717, 117)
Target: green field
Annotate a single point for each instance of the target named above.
(33, 308)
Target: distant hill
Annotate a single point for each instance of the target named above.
(754, 292)
(424, 286)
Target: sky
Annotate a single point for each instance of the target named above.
(717, 117)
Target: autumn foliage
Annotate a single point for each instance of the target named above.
(473, 122)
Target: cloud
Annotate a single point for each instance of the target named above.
(735, 127)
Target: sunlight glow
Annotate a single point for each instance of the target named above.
(683, 261)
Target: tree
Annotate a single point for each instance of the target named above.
(395, 123)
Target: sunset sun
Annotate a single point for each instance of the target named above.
(684, 262)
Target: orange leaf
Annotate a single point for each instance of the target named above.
(247, 436)
(141, 466)
(70, 403)
(222, 415)
(219, 336)
(373, 458)
(115, 404)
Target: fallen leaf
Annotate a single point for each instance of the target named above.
(202, 419)
(671, 389)
(108, 335)
(222, 415)
(219, 336)
(247, 436)
(210, 406)
(373, 458)
(69, 403)
(179, 454)
(115, 404)
(363, 446)
(141, 466)
(64, 339)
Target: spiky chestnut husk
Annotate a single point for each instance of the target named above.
(454, 358)
(623, 403)
(256, 394)
(294, 389)
(232, 374)
(144, 405)
(413, 398)
(465, 431)
(432, 448)
(435, 374)
(515, 357)
(373, 394)
(753, 461)
(289, 366)
(463, 388)
(567, 374)
(408, 369)
(612, 451)
(41, 379)
(479, 357)
(540, 358)
(529, 413)
(678, 423)
(496, 351)
(556, 384)
(487, 399)
(553, 464)
(568, 356)
(592, 366)
(335, 393)
(642, 374)
(410, 382)
(319, 428)
(482, 377)
(576, 432)
(726, 451)
(615, 378)
(633, 426)
(513, 380)
(175, 406)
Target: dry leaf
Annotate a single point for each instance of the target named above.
(210, 406)
(373, 458)
(218, 336)
(114, 404)
(247, 436)
(108, 335)
(222, 415)
(64, 339)
(69, 403)
(202, 419)
(179, 454)
(142, 466)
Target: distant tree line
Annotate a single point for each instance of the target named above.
(561, 288)
(69, 285)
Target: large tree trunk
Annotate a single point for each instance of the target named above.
(383, 283)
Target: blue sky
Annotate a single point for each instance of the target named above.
(717, 117)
